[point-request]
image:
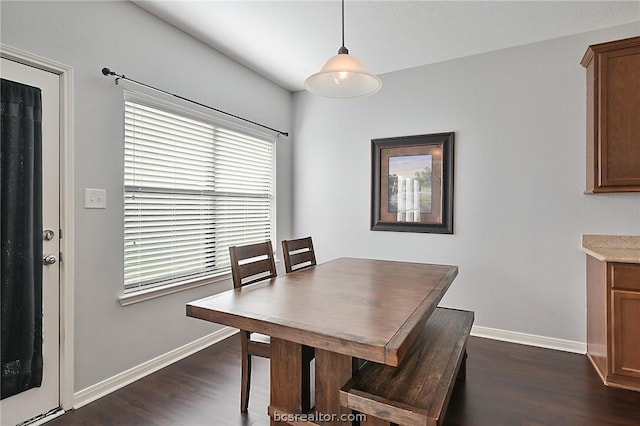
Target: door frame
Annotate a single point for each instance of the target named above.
(66, 324)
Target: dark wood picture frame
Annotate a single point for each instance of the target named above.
(412, 183)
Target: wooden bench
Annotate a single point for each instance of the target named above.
(416, 392)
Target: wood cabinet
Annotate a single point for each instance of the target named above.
(613, 108)
(613, 321)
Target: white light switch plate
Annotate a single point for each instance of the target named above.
(95, 198)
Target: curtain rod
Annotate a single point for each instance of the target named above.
(107, 72)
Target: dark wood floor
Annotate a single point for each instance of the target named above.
(506, 384)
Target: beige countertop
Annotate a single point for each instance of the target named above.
(612, 248)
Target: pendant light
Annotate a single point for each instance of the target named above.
(343, 76)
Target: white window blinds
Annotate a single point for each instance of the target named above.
(192, 188)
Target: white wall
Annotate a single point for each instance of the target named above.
(519, 121)
(88, 36)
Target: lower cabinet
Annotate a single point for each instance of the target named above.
(613, 321)
(626, 334)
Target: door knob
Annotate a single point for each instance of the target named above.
(49, 259)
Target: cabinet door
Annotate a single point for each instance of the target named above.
(619, 124)
(626, 333)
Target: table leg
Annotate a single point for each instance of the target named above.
(286, 378)
(332, 372)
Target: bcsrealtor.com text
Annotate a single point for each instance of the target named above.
(317, 417)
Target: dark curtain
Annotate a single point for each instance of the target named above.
(21, 237)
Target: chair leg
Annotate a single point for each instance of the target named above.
(307, 357)
(245, 381)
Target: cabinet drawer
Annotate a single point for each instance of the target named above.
(625, 276)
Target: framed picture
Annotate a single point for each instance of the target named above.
(412, 183)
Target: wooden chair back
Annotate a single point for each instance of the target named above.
(298, 254)
(252, 263)
(249, 264)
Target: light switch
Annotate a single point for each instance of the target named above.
(95, 198)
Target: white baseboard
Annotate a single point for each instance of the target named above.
(529, 339)
(120, 380)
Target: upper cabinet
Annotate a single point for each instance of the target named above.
(613, 116)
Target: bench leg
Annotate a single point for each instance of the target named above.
(462, 372)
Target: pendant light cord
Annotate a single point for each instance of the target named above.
(343, 49)
(343, 23)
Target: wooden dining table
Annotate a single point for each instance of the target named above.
(347, 309)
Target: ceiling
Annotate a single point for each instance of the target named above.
(286, 41)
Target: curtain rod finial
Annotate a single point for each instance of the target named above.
(107, 71)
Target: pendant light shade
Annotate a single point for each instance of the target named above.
(343, 76)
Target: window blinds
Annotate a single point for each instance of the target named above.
(192, 189)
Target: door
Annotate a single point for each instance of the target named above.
(37, 401)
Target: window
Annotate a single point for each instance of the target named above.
(192, 188)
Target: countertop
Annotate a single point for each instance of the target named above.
(612, 248)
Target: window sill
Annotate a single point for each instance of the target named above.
(142, 295)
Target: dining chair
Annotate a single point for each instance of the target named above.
(298, 254)
(250, 264)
